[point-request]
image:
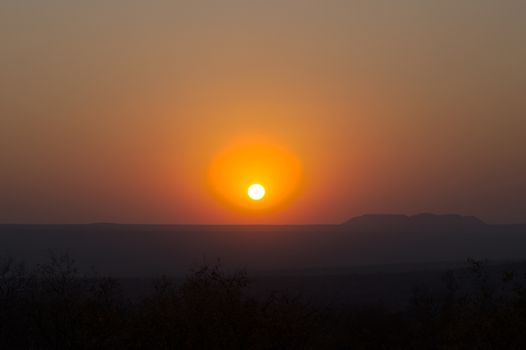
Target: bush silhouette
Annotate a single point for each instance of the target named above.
(56, 307)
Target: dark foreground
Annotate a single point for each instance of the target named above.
(56, 307)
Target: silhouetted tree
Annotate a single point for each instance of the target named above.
(56, 307)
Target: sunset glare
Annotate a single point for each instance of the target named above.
(256, 192)
(238, 172)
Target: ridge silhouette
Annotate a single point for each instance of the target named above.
(419, 222)
(373, 239)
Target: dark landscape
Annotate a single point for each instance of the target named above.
(159, 289)
(369, 240)
(265, 287)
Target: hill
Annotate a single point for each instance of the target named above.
(146, 250)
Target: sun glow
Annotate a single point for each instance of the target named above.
(255, 175)
(256, 192)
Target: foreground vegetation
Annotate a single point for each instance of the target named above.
(55, 307)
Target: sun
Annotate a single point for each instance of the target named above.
(246, 171)
(256, 192)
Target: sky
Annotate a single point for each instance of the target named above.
(117, 111)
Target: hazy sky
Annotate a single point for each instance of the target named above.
(112, 110)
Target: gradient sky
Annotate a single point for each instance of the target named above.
(112, 110)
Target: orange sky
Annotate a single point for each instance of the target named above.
(115, 110)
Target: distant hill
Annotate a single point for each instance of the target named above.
(146, 250)
(421, 222)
